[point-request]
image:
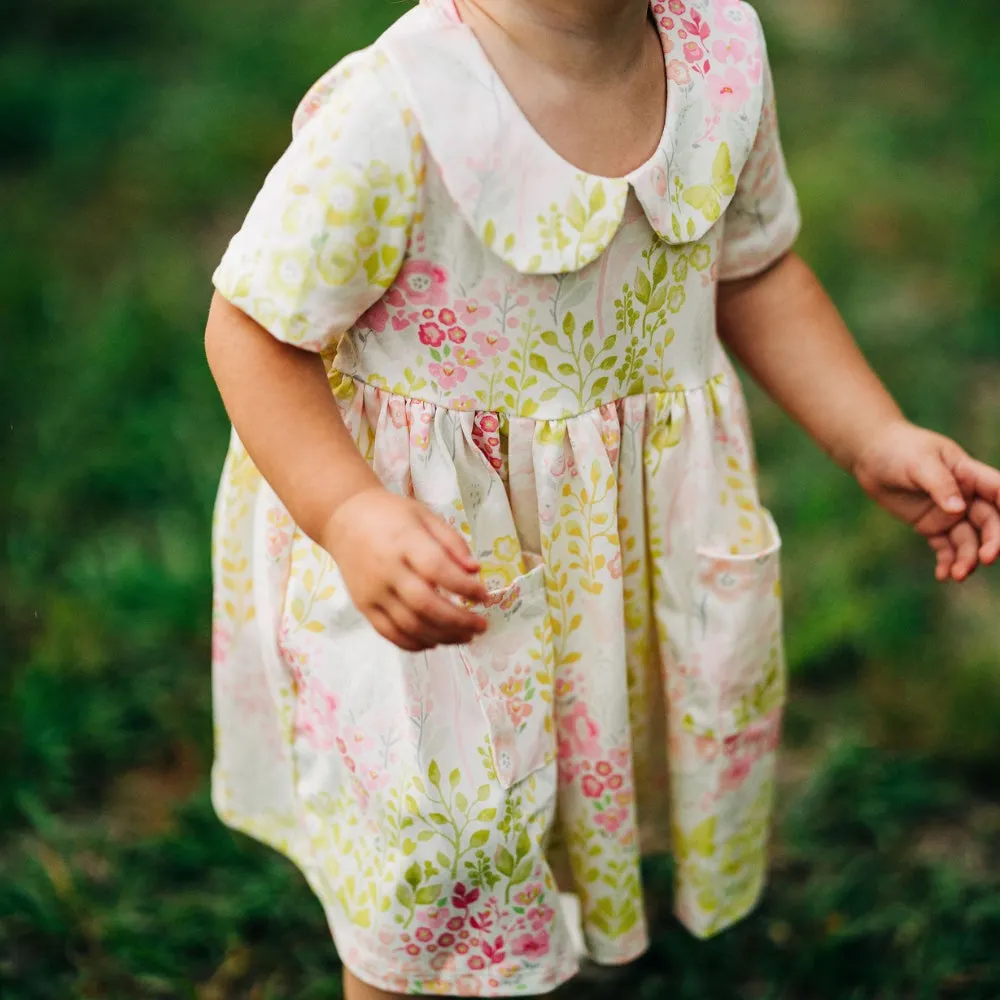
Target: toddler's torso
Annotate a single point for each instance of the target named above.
(462, 329)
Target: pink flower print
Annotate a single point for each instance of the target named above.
(667, 23)
(735, 774)
(615, 566)
(457, 335)
(615, 782)
(494, 952)
(222, 637)
(470, 311)
(729, 580)
(527, 896)
(316, 715)
(377, 317)
(611, 819)
(658, 8)
(593, 788)
(356, 739)
(476, 963)
(731, 50)
(728, 91)
(423, 283)
(447, 317)
(531, 946)
(620, 758)
(424, 934)
(447, 373)
(455, 923)
(466, 357)
(464, 403)
(676, 7)
(431, 334)
(678, 73)
(706, 747)
(491, 343)
(462, 898)
(518, 711)
(735, 17)
(413, 950)
(697, 25)
(446, 940)
(603, 768)
(278, 532)
(540, 916)
(579, 732)
(693, 52)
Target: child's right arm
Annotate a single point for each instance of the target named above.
(395, 556)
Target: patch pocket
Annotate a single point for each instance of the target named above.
(727, 709)
(739, 598)
(510, 666)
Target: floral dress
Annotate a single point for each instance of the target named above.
(531, 351)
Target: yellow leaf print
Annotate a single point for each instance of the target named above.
(707, 198)
(701, 841)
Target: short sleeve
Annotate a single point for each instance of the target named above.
(763, 221)
(327, 234)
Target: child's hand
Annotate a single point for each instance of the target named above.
(396, 558)
(930, 482)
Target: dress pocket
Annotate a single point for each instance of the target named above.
(741, 648)
(510, 666)
(727, 692)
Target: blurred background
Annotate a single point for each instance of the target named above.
(132, 139)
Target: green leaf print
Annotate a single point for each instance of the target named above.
(434, 773)
(454, 778)
(660, 268)
(642, 287)
(479, 838)
(523, 844)
(428, 895)
(538, 362)
(504, 861)
(405, 896)
(597, 198)
(522, 872)
(489, 233)
(576, 214)
(413, 876)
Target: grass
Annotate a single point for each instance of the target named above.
(133, 136)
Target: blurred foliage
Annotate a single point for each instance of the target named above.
(132, 136)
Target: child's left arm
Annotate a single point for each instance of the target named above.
(783, 327)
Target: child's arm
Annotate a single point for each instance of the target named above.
(783, 327)
(393, 553)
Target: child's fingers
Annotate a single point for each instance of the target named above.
(446, 621)
(985, 519)
(934, 477)
(431, 560)
(388, 629)
(977, 478)
(966, 542)
(452, 542)
(945, 553)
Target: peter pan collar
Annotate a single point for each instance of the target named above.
(535, 210)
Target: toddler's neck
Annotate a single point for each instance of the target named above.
(585, 39)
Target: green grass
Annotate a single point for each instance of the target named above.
(132, 137)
